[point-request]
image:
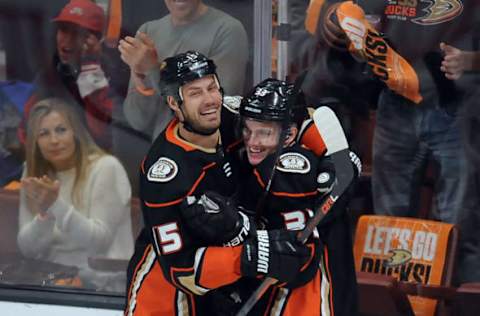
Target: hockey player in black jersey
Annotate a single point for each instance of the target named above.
(174, 270)
(271, 117)
(301, 180)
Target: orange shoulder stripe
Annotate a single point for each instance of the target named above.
(313, 140)
(172, 138)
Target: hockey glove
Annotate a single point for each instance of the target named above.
(215, 219)
(276, 253)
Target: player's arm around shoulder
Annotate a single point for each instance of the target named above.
(187, 261)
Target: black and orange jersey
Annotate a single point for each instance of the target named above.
(187, 269)
(294, 186)
(289, 205)
(298, 175)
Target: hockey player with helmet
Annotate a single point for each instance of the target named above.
(300, 182)
(173, 270)
(271, 117)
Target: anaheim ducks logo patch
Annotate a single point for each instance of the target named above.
(440, 11)
(163, 170)
(323, 178)
(398, 257)
(294, 163)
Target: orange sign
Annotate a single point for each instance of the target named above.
(313, 14)
(409, 249)
(369, 45)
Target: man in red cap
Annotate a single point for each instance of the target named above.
(75, 73)
(79, 30)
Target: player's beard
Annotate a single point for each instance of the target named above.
(197, 128)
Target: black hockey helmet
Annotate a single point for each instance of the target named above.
(274, 100)
(183, 68)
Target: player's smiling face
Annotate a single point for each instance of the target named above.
(260, 138)
(202, 103)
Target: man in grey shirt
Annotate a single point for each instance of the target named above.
(191, 25)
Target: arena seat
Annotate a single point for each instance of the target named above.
(397, 257)
(467, 300)
(9, 203)
(379, 295)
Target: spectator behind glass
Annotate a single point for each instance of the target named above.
(75, 199)
(75, 73)
(456, 65)
(191, 25)
(420, 108)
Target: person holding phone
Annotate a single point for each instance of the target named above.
(75, 72)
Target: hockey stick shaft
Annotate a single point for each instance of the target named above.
(345, 175)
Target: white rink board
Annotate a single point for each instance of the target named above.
(28, 309)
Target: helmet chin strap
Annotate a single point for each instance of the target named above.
(189, 127)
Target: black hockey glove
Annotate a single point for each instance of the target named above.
(215, 219)
(276, 253)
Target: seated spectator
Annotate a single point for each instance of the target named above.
(75, 72)
(10, 147)
(75, 199)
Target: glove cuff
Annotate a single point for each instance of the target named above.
(255, 255)
(242, 230)
(263, 251)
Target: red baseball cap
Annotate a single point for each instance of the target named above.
(84, 13)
